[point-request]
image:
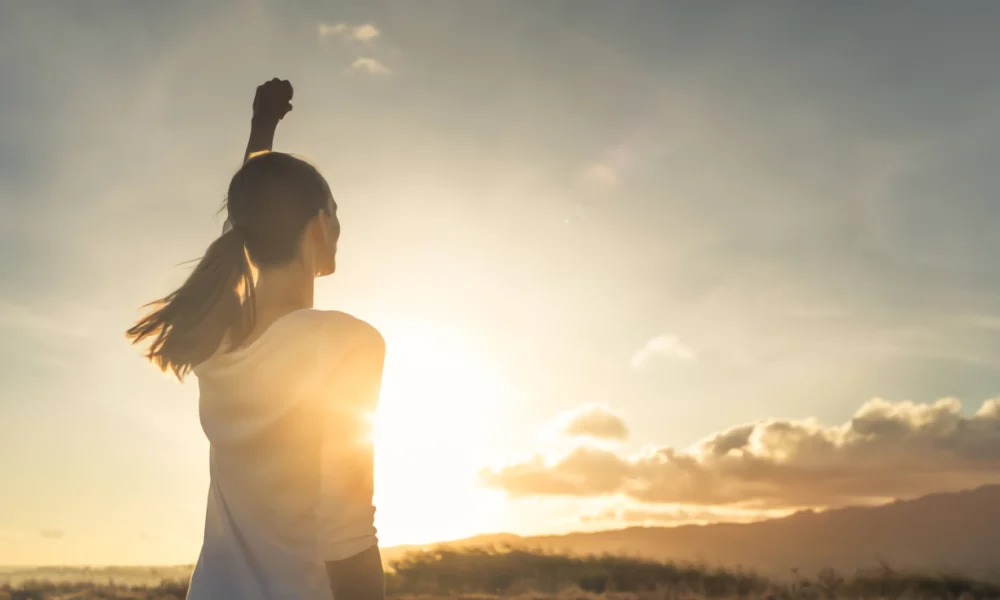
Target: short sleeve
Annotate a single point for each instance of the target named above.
(352, 359)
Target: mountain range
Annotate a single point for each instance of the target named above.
(956, 532)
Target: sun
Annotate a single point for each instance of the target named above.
(438, 421)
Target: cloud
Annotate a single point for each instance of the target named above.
(326, 30)
(887, 450)
(676, 515)
(600, 174)
(361, 33)
(57, 322)
(52, 534)
(662, 345)
(595, 421)
(54, 333)
(370, 65)
(365, 33)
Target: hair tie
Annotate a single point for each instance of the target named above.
(238, 228)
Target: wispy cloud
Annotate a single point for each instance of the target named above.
(599, 174)
(372, 66)
(360, 33)
(667, 346)
(57, 334)
(886, 450)
(52, 534)
(327, 30)
(357, 36)
(633, 513)
(35, 321)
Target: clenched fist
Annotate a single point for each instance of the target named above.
(272, 101)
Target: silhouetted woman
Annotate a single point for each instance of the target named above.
(286, 391)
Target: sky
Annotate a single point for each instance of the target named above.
(638, 262)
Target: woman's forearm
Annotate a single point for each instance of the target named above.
(261, 137)
(271, 103)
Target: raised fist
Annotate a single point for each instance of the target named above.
(272, 100)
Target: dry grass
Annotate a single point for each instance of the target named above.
(487, 574)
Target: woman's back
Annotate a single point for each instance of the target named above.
(287, 392)
(288, 418)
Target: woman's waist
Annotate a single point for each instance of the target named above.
(293, 525)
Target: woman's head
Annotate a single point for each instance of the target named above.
(283, 211)
(283, 216)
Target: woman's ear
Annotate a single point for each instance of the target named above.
(325, 244)
(311, 243)
(317, 232)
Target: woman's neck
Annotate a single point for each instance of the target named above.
(280, 291)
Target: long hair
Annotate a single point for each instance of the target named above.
(270, 201)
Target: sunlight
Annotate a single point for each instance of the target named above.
(437, 424)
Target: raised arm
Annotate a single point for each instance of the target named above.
(270, 104)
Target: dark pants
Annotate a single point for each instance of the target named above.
(358, 577)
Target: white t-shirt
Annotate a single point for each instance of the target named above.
(288, 418)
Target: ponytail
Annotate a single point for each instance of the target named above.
(215, 305)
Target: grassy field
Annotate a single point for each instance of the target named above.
(482, 574)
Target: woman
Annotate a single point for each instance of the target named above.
(286, 391)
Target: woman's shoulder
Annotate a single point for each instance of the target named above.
(342, 327)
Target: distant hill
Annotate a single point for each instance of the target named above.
(950, 532)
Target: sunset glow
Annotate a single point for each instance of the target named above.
(636, 264)
(441, 412)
